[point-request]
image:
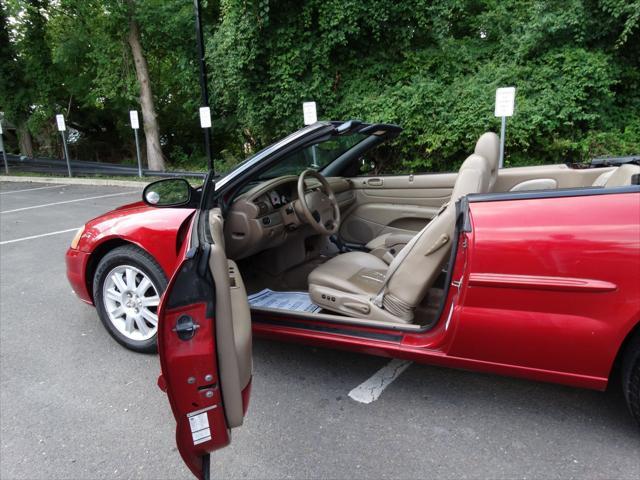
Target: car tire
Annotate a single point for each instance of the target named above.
(631, 375)
(127, 286)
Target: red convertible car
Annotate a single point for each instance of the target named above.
(529, 271)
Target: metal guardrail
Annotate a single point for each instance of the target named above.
(53, 166)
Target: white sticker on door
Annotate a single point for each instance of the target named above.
(201, 436)
(199, 424)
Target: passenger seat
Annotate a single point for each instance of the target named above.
(387, 245)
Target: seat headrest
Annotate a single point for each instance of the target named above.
(488, 146)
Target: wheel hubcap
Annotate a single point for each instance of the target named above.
(131, 301)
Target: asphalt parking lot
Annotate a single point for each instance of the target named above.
(74, 404)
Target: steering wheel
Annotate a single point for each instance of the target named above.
(319, 206)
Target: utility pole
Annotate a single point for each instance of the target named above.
(204, 90)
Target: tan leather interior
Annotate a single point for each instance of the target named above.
(488, 147)
(254, 225)
(233, 324)
(348, 282)
(387, 245)
(407, 223)
(553, 176)
(353, 272)
(393, 204)
(621, 176)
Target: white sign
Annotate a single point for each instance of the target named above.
(133, 115)
(0, 128)
(309, 111)
(60, 120)
(505, 101)
(205, 117)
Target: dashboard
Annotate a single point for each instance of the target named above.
(277, 197)
(266, 215)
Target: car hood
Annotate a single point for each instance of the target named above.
(135, 205)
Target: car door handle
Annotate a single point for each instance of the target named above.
(375, 182)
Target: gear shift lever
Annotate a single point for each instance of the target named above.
(338, 243)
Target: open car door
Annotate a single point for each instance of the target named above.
(204, 342)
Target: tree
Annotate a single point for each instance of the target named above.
(431, 66)
(151, 128)
(26, 82)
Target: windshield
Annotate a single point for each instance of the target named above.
(315, 156)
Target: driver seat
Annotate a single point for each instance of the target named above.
(362, 285)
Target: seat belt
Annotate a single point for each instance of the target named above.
(378, 299)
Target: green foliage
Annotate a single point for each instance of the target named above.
(430, 66)
(433, 68)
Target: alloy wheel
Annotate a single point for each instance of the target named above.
(131, 301)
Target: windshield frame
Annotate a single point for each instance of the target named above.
(248, 169)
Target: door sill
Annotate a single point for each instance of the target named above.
(339, 319)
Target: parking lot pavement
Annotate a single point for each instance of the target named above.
(74, 404)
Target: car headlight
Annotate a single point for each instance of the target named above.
(76, 237)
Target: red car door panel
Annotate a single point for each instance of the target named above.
(204, 342)
(186, 344)
(552, 283)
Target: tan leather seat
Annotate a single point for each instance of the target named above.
(353, 272)
(387, 245)
(488, 146)
(361, 285)
(619, 177)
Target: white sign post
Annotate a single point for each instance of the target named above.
(135, 124)
(505, 103)
(205, 124)
(4, 154)
(309, 112)
(205, 117)
(61, 128)
(310, 117)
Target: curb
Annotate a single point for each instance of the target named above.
(104, 182)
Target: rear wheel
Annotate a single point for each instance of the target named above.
(127, 287)
(631, 375)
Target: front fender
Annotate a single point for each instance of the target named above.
(159, 232)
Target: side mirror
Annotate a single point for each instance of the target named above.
(168, 192)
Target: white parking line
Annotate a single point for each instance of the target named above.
(31, 189)
(371, 389)
(68, 201)
(38, 236)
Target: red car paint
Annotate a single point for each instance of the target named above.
(553, 284)
(190, 377)
(543, 288)
(194, 359)
(155, 230)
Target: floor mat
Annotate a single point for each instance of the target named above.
(292, 301)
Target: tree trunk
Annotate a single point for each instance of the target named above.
(25, 140)
(155, 160)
